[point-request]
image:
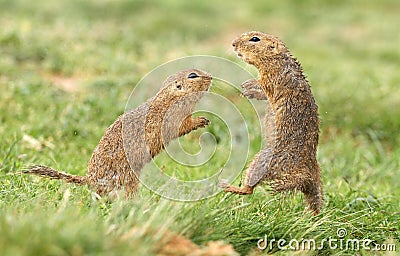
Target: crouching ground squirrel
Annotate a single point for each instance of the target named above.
(288, 162)
(139, 135)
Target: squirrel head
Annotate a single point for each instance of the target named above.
(255, 46)
(183, 86)
(187, 81)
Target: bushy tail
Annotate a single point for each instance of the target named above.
(53, 174)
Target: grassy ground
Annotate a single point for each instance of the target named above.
(68, 67)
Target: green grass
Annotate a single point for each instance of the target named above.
(350, 53)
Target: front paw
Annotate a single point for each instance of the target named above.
(254, 94)
(250, 84)
(252, 90)
(201, 122)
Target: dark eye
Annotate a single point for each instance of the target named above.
(193, 75)
(179, 87)
(254, 39)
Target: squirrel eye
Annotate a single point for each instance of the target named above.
(254, 39)
(193, 75)
(179, 87)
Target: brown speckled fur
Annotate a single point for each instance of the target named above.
(288, 162)
(139, 135)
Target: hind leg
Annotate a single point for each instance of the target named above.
(256, 172)
(311, 189)
(313, 196)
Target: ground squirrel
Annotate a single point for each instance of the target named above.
(140, 134)
(288, 162)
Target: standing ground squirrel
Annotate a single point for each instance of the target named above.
(140, 134)
(288, 162)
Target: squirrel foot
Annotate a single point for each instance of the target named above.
(236, 190)
(252, 90)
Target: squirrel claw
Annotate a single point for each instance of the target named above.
(223, 184)
(201, 122)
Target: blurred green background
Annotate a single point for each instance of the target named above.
(68, 67)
